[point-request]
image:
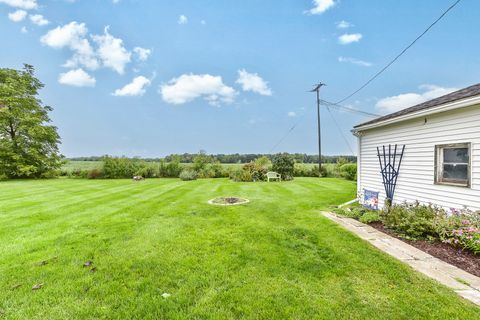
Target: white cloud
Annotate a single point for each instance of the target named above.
(65, 36)
(24, 29)
(39, 20)
(142, 53)
(355, 61)
(77, 78)
(17, 16)
(134, 88)
(405, 100)
(343, 24)
(111, 51)
(349, 38)
(292, 114)
(182, 19)
(73, 36)
(253, 82)
(320, 6)
(189, 87)
(22, 4)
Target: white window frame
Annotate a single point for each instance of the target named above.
(439, 165)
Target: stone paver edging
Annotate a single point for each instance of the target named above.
(463, 283)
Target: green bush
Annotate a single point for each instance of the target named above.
(369, 217)
(118, 168)
(284, 164)
(145, 170)
(240, 175)
(414, 221)
(264, 163)
(201, 161)
(94, 174)
(188, 174)
(301, 170)
(217, 170)
(50, 174)
(354, 213)
(362, 214)
(348, 171)
(121, 168)
(256, 172)
(78, 173)
(171, 169)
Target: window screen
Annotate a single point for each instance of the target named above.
(453, 164)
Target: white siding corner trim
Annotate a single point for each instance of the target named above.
(416, 180)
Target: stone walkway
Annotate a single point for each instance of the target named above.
(463, 283)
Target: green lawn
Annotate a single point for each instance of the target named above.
(274, 258)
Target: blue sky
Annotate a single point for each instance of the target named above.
(150, 78)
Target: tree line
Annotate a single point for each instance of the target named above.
(234, 158)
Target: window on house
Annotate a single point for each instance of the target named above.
(453, 164)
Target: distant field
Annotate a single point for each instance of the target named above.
(81, 165)
(89, 165)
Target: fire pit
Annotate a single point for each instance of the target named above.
(228, 201)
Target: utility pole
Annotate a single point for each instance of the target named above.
(317, 90)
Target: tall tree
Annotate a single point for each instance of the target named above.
(28, 143)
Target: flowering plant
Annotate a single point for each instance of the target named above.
(462, 228)
(466, 236)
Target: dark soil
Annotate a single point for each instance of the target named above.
(231, 200)
(463, 259)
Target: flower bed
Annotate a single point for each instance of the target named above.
(228, 201)
(450, 235)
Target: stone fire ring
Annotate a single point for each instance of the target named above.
(228, 201)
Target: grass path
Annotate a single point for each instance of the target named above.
(274, 258)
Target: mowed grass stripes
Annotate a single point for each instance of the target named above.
(273, 258)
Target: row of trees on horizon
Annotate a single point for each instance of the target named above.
(233, 158)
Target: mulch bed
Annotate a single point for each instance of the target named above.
(228, 201)
(462, 259)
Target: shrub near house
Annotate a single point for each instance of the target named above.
(414, 221)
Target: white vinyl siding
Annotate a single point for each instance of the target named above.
(416, 180)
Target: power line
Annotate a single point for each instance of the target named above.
(327, 104)
(400, 54)
(340, 130)
(348, 109)
(286, 135)
(338, 103)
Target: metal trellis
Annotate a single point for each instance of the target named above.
(390, 167)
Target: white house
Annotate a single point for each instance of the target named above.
(441, 160)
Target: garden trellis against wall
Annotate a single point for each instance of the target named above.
(390, 159)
